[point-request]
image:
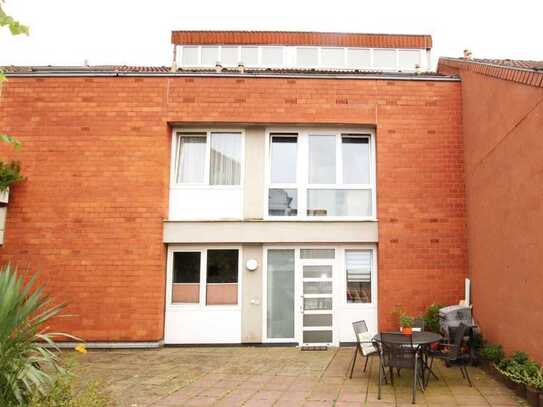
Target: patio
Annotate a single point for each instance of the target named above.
(264, 376)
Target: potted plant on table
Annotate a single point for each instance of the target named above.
(406, 324)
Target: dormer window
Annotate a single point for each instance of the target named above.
(304, 57)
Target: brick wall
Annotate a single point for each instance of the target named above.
(504, 202)
(96, 154)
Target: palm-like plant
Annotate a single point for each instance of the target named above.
(27, 365)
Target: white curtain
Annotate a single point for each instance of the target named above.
(191, 156)
(225, 166)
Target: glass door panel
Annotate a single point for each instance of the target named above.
(280, 294)
(317, 303)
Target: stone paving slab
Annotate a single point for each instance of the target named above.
(272, 376)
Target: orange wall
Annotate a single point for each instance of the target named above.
(96, 154)
(503, 132)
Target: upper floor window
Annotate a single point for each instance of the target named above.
(321, 174)
(208, 158)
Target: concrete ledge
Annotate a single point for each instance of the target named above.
(111, 345)
(270, 232)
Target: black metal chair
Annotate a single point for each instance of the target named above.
(365, 347)
(453, 353)
(395, 353)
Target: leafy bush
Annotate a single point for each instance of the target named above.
(66, 392)
(27, 367)
(492, 353)
(431, 318)
(10, 173)
(519, 368)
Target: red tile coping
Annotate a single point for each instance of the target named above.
(301, 38)
(524, 72)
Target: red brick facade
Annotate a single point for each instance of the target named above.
(96, 153)
(503, 122)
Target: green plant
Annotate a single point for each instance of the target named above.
(536, 380)
(519, 368)
(431, 317)
(27, 366)
(10, 173)
(67, 392)
(406, 321)
(492, 353)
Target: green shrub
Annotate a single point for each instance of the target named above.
(66, 392)
(431, 318)
(520, 369)
(10, 173)
(27, 367)
(492, 353)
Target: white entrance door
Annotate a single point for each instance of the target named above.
(317, 301)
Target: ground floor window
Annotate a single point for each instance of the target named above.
(358, 267)
(206, 277)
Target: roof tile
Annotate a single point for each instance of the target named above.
(301, 38)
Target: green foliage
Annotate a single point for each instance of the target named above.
(67, 393)
(15, 27)
(27, 366)
(492, 353)
(406, 321)
(520, 369)
(431, 318)
(10, 173)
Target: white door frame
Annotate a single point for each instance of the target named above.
(343, 313)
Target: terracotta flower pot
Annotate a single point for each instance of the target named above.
(520, 389)
(407, 330)
(540, 399)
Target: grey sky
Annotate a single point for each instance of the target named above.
(138, 32)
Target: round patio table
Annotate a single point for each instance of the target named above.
(419, 338)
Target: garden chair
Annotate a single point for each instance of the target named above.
(453, 353)
(394, 354)
(364, 344)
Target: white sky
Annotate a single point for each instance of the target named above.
(135, 32)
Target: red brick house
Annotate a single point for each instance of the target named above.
(502, 124)
(268, 187)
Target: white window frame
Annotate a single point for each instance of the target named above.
(205, 184)
(302, 185)
(201, 305)
(373, 276)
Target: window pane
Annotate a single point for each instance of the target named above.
(356, 160)
(272, 56)
(318, 336)
(322, 159)
(307, 57)
(339, 202)
(186, 277)
(249, 56)
(284, 151)
(191, 157)
(225, 165)
(332, 58)
(222, 277)
(384, 58)
(320, 287)
(280, 294)
(409, 59)
(317, 272)
(358, 58)
(189, 56)
(317, 253)
(315, 304)
(358, 270)
(229, 56)
(210, 56)
(282, 202)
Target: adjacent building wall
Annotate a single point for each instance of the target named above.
(96, 155)
(503, 131)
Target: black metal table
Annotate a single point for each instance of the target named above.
(419, 338)
(422, 340)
